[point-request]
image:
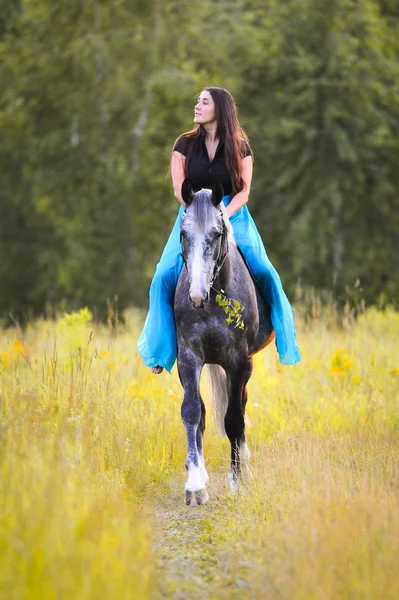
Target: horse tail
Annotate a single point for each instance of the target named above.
(218, 392)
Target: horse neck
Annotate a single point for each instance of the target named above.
(224, 275)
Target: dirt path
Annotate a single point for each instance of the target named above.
(191, 546)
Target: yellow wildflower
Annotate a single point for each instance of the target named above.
(19, 348)
(5, 357)
(340, 363)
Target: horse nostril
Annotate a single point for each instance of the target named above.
(199, 298)
(197, 303)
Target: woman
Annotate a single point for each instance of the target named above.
(216, 149)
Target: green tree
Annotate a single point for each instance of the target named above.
(94, 94)
(324, 99)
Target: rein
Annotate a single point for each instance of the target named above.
(223, 252)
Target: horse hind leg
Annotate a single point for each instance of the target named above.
(237, 380)
(245, 454)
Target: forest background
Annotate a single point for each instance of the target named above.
(93, 94)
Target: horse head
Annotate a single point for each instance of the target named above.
(204, 239)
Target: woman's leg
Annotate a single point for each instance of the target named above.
(269, 283)
(157, 344)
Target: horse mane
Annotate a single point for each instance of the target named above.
(204, 213)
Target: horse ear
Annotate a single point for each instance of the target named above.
(217, 193)
(187, 191)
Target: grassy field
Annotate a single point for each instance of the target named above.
(92, 453)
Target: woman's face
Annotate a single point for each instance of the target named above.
(204, 112)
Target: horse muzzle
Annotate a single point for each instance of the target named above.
(199, 300)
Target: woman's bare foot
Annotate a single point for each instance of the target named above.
(156, 370)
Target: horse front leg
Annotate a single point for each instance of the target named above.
(200, 437)
(193, 416)
(237, 379)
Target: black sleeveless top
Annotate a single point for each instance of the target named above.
(203, 172)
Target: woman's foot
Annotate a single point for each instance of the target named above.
(156, 370)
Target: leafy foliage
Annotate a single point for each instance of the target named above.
(93, 96)
(232, 308)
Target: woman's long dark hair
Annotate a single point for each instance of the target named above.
(229, 131)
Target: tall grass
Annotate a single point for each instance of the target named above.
(92, 454)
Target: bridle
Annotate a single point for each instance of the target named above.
(223, 252)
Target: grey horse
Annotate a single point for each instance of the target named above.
(214, 330)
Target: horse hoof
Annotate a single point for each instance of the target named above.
(233, 482)
(197, 498)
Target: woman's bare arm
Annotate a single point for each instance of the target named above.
(242, 197)
(177, 172)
